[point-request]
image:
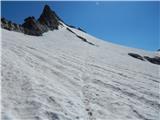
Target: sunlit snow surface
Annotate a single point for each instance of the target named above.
(58, 76)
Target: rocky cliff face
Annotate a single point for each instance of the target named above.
(48, 20)
(6, 24)
(32, 27)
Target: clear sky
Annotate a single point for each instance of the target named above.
(133, 24)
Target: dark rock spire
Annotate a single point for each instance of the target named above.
(49, 18)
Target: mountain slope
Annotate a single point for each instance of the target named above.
(59, 76)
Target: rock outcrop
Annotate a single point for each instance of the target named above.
(80, 37)
(154, 60)
(32, 27)
(6, 24)
(48, 20)
(136, 56)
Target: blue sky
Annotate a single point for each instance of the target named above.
(133, 24)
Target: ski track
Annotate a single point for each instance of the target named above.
(60, 78)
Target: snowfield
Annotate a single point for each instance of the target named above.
(58, 76)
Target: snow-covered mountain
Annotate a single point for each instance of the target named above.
(67, 74)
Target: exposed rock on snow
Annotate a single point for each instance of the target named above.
(71, 31)
(155, 60)
(6, 24)
(82, 38)
(136, 56)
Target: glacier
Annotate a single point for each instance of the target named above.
(58, 76)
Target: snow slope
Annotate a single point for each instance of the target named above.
(58, 76)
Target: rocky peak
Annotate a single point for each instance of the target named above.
(47, 9)
(49, 18)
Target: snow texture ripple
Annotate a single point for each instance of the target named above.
(60, 77)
